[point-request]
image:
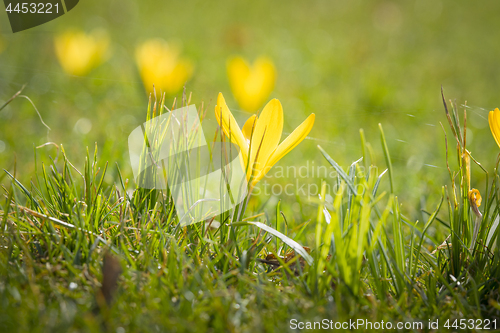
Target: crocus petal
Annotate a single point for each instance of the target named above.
(266, 135)
(229, 125)
(251, 84)
(475, 201)
(248, 127)
(160, 65)
(296, 137)
(494, 121)
(237, 70)
(78, 53)
(179, 76)
(266, 72)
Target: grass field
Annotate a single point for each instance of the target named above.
(386, 209)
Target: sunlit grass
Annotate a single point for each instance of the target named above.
(367, 259)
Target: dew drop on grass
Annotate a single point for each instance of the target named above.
(2, 146)
(73, 286)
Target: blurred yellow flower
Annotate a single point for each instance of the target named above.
(251, 85)
(475, 197)
(79, 53)
(259, 139)
(494, 121)
(160, 65)
(475, 202)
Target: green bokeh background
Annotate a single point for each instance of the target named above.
(353, 63)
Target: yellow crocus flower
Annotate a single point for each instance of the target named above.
(475, 197)
(160, 65)
(259, 139)
(494, 121)
(78, 52)
(251, 85)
